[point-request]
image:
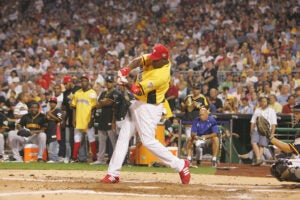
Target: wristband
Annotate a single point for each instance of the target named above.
(135, 89)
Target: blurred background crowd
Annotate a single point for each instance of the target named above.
(252, 47)
(234, 51)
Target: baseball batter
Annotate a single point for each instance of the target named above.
(145, 112)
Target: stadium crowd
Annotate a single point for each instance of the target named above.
(231, 52)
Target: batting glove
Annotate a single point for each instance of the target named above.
(124, 71)
(122, 80)
(136, 90)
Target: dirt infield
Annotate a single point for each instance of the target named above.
(75, 185)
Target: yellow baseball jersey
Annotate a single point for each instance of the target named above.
(84, 102)
(154, 83)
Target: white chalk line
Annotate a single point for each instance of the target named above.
(93, 193)
(89, 192)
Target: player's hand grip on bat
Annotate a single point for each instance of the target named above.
(124, 72)
(122, 80)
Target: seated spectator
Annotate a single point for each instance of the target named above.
(266, 90)
(245, 107)
(182, 60)
(228, 82)
(251, 77)
(13, 77)
(230, 105)
(297, 95)
(183, 89)
(204, 133)
(217, 102)
(275, 83)
(224, 94)
(243, 80)
(284, 94)
(274, 103)
(287, 108)
(205, 90)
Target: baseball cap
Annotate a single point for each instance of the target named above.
(86, 76)
(53, 99)
(67, 79)
(159, 52)
(109, 79)
(196, 86)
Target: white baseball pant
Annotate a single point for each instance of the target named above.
(143, 119)
(17, 143)
(90, 132)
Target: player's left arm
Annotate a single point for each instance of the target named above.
(136, 62)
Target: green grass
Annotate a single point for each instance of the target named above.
(87, 167)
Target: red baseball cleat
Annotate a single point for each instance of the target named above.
(110, 179)
(185, 174)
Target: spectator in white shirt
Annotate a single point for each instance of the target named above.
(21, 107)
(13, 77)
(251, 77)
